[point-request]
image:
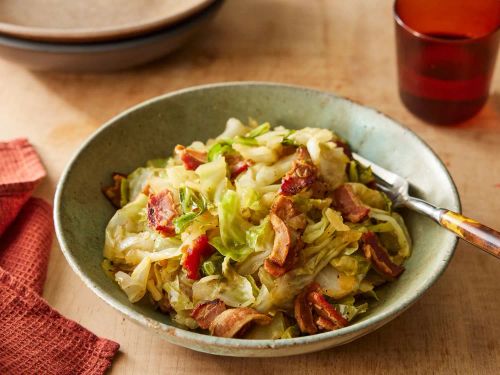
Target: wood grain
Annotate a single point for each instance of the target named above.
(345, 47)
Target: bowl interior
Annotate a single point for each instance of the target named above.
(152, 129)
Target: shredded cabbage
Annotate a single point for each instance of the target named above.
(330, 160)
(127, 229)
(212, 239)
(232, 288)
(234, 128)
(213, 181)
(271, 331)
(337, 284)
(134, 285)
(370, 197)
(399, 229)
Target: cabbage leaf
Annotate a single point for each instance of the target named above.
(233, 226)
(124, 229)
(330, 160)
(213, 181)
(231, 288)
(135, 285)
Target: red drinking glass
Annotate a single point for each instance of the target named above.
(446, 53)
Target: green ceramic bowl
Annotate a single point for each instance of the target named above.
(152, 129)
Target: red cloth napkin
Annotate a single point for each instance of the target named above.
(34, 338)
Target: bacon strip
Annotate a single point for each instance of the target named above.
(236, 164)
(325, 325)
(288, 224)
(276, 270)
(319, 189)
(282, 240)
(235, 322)
(161, 212)
(284, 208)
(349, 205)
(325, 310)
(379, 257)
(302, 175)
(191, 158)
(198, 251)
(303, 314)
(313, 312)
(114, 192)
(205, 312)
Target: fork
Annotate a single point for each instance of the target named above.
(396, 187)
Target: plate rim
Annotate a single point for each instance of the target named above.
(90, 35)
(109, 46)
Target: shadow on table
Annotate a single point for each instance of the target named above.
(233, 40)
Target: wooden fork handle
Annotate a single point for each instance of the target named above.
(472, 231)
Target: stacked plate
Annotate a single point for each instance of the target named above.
(97, 35)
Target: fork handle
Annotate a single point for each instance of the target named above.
(470, 230)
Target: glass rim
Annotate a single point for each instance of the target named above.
(436, 39)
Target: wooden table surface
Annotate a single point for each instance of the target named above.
(346, 47)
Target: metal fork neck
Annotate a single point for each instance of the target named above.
(423, 207)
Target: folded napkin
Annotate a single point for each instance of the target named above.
(34, 338)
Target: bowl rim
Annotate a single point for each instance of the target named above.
(251, 344)
(105, 33)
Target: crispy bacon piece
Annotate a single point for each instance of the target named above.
(313, 312)
(325, 324)
(303, 314)
(235, 322)
(205, 312)
(379, 257)
(288, 224)
(302, 174)
(319, 189)
(276, 270)
(238, 168)
(323, 308)
(114, 192)
(161, 212)
(282, 240)
(191, 158)
(196, 253)
(284, 208)
(236, 164)
(349, 205)
(273, 269)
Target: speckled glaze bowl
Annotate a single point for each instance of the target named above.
(152, 128)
